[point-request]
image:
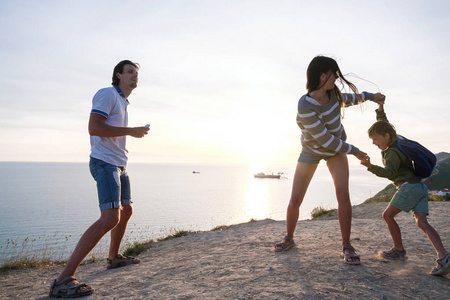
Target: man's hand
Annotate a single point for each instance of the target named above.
(139, 132)
(98, 127)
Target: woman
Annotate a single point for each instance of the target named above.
(323, 137)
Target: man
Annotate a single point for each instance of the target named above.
(108, 130)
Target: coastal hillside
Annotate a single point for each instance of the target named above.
(441, 176)
(438, 181)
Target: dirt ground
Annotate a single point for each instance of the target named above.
(238, 262)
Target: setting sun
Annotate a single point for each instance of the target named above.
(256, 140)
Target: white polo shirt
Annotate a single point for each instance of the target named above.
(111, 104)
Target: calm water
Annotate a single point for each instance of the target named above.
(52, 204)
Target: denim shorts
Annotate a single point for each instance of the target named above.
(411, 196)
(113, 184)
(309, 158)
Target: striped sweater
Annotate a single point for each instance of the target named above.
(322, 131)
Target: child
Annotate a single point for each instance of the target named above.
(323, 137)
(411, 193)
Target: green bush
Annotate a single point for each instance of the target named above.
(438, 198)
(175, 234)
(137, 248)
(320, 211)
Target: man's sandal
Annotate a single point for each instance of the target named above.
(283, 246)
(348, 256)
(445, 266)
(121, 261)
(63, 290)
(394, 254)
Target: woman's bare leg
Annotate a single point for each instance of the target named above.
(338, 167)
(303, 175)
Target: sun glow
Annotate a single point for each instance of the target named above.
(256, 196)
(256, 139)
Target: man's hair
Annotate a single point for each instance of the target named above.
(381, 128)
(119, 69)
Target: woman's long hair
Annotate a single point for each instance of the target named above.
(322, 64)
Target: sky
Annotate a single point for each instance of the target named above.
(219, 80)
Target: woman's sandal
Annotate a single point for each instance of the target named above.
(63, 290)
(121, 261)
(394, 254)
(348, 256)
(445, 266)
(283, 246)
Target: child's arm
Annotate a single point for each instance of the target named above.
(391, 168)
(381, 106)
(381, 115)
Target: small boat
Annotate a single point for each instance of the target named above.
(263, 175)
(195, 172)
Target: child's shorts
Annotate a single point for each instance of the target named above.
(411, 196)
(113, 184)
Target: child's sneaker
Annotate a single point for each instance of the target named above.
(394, 254)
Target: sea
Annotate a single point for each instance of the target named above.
(45, 207)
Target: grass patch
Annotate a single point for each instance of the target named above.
(16, 255)
(44, 251)
(32, 252)
(137, 248)
(320, 211)
(24, 263)
(91, 260)
(219, 228)
(175, 234)
(379, 199)
(388, 198)
(222, 227)
(439, 198)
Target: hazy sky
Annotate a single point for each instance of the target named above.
(219, 80)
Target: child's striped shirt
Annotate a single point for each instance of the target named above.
(322, 130)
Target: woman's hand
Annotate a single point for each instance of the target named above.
(379, 98)
(361, 155)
